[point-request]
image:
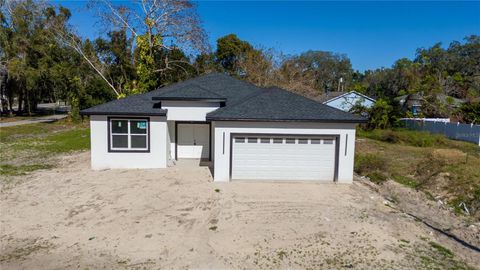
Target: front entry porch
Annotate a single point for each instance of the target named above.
(193, 140)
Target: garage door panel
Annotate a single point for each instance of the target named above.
(304, 159)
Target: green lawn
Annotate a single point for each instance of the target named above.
(431, 163)
(28, 148)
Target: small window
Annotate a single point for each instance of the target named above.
(302, 141)
(277, 140)
(138, 127)
(120, 126)
(315, 141)
(128, 135)
(119, 141)
(327, 141)
(139, 141)
(290, 141)
(239, 140)
(252, 140)
(264, 140)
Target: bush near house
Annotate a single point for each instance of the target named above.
(443, 168)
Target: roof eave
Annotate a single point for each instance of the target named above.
(189, 99)
(358, 121)
(124, 113)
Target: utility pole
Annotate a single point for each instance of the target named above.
(341, 86)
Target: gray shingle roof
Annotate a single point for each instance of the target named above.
(244, 101)
(276, 104)
(209, 86)
(131, 105)
(187, 92)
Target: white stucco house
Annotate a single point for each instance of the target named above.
(247, 132)
(345, 101)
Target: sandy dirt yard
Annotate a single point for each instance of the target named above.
(74, 218)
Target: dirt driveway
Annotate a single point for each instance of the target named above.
(72, 217)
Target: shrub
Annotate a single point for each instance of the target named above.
(470, 112)
(368, 163)
(380, 114)
(377, 177)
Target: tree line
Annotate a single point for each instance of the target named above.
(149, 44)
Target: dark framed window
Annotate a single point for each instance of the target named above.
(327, 141)
(302, 141)
(278, 140)
(315, 141)
(290, 141)
(252, 140)
(264, 140)
(239, 140)
(128, 134)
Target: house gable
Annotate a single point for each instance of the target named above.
(348, 100)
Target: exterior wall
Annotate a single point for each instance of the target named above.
(212, 141)
(346, 102)
(171, 142)
(346, 131)
(188, 110)
(102, 159)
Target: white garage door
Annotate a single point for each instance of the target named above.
(283, 158)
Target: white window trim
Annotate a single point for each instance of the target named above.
(129, 135)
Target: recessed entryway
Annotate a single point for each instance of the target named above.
(193, 140)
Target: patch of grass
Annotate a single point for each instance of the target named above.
(435, 256)
(12, 170)
(445, 252)
(377, 177)
(366, 163)
(8, 134)
(403, 136)
(72, 140)
(372, 166)
(405, 180)
(27, 148)
(448, 171)
(213, 228)
(217, 190)
(59, 142)
(417, 139)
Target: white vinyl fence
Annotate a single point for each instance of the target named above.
(456, 131)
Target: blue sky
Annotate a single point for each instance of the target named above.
(372, 34)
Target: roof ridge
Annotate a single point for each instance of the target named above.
(189, 80)
(260, 91)
(209, 91)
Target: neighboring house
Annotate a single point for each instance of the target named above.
(346, 100)
(413, 102)
(248, 133)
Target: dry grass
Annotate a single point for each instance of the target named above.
(448, 170)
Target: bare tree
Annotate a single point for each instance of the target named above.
(174, 22)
